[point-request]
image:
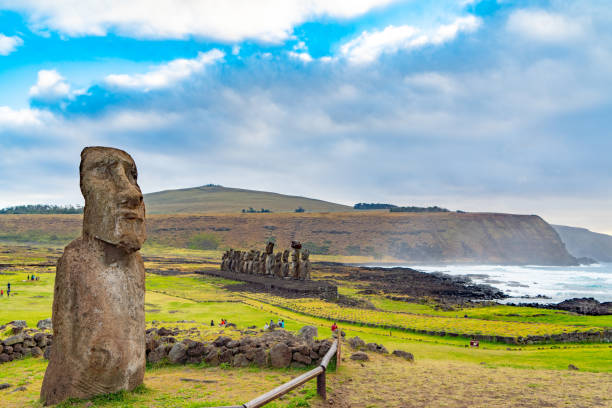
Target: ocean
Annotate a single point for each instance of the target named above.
(556, 282)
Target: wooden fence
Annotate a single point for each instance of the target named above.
(318, 372)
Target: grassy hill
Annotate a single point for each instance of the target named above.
(231, 200)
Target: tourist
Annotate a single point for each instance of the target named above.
(282, 323)
(266, 326)
(212, 323)
(1, 292)
(271, 322)
(334, 327)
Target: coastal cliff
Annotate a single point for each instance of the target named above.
(414, 238)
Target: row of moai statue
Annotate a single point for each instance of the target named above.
(268, 263)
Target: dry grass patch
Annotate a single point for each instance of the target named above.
(387, 381)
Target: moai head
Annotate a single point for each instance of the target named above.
(251, 255)
(230, 254)
(278, 257)
(286, 255)
(269, 248)
(114, 209)
(305, 255)
(296, 245)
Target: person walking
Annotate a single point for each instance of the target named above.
(1, 292)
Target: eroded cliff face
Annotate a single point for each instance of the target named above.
(416, 238)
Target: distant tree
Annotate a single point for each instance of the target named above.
(42, 209)
(434, 209)
(373, 206)
(299, 210)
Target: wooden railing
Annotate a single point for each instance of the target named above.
(318, 372)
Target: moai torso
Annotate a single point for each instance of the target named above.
(278, 265)
(98, 303)
(269, 264)
(285, 271)
(305, 267)
(294, 265)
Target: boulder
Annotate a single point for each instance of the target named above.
(4, 358)
(18, 338)
(212, 357)
(301, 358)
(260, 358)
(240, 360)
(162, 331)
(280, 355)
(178, 353)
(18, 323)
(356, 342)
(197, 349)
(157, 355)
(572, 367)
(403, 354)
(5, 386)
(40, 339)
(359, 356)
(372, 347)
(45, 324)
(8, 349)
(222, 341)
(308, 333)
(232, 344)
(47, 352)
(36, 351)
(225, 356)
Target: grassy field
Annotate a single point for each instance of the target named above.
(446, 372)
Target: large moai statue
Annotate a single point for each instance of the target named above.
(237, 261)
(243, 263)
(98, 302)
(294, 265)
(263, 259)
(285, 264)
(278, 265)
(270, 258)
(305, 266)
(255, 268)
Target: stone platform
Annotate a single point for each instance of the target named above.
(308, 288)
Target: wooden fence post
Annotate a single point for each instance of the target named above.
(321, 386)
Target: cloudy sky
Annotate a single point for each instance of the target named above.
(476, 105)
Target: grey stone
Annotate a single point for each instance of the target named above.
(360, 356)
(178, 353)
(18, 338)
(280, 355)
(36, 351)
(19, 323)
(404, 354)
(45, 324)
(157, 355)
(308, 333)
(356, 342)
(240, 360)
(5, 386)
(301, 358)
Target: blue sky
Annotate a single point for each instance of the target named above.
(475, 105)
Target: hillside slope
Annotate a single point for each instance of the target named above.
(415, 238)
(581, 242)
(230, 200)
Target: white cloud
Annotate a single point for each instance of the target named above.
(9, 44)
(227, 20)
(167, 74)
(543, 26)
(50, 85)
(370, 45)
(302, 56)
(15, 118)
